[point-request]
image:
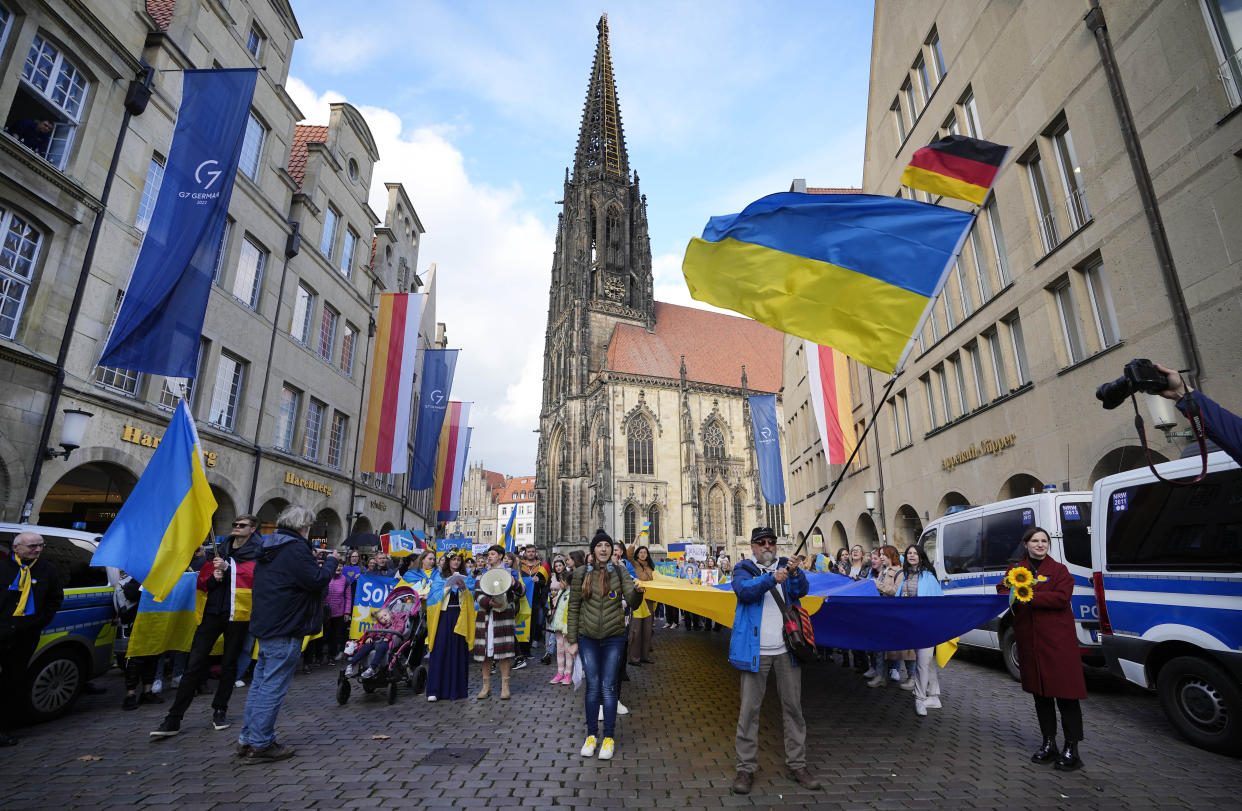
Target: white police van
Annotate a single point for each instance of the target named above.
(972, 547)
(1169, 587)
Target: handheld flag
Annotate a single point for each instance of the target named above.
(507, 537)
(167, 515)
(645, 532)
(956, 166)
(159, 326)
(392, 383)
(853, 271)
(828, 378)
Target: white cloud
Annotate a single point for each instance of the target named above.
(492, 256)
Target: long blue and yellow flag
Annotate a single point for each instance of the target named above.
(167, 515)
(856, 272)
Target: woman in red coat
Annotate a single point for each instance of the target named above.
(1048, 651)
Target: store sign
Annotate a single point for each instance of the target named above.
(376, 504)
(994, 447)
(139, 437)
(309, 484)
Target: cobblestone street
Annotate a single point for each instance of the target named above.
(674, 750)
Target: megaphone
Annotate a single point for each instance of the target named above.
(495, 583)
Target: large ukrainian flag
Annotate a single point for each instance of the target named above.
(166, 516)
(856, 272)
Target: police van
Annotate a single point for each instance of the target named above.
(1169, 588)
(77, 645)
(972, 547)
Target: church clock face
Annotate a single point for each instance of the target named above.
(614, 288)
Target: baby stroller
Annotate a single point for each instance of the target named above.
(400, 664)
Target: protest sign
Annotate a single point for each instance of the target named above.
(369, 594)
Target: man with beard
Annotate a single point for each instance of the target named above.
(757, 647)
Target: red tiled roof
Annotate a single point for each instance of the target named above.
(304, 134)
(827, 190)
(162, 12)
(715, 346)
(512, 487)
(493, 480)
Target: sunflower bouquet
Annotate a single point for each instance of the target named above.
(1021, 584)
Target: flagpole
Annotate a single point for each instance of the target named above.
(875, 410)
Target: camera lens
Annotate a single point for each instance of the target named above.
(1114, 393)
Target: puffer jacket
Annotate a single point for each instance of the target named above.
(598, 617)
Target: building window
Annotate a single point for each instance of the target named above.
(1076, 207)
(6, 17)
(933, 415)
(933, 321)
(976, 369)
(252, 147)
(942, 389)
(1018, 342)
(998, 241)
(150, 191)
(638, 447)
(222, 249)
(739, 512)
(1101, 303)
(999, 376)
(314, 429)
(348, 342)
(954, 365)
(347, 253)
(170, 391)
(303, 308)
(937, 54)
(898, 438)
(949, 127)
(713, 441)
(1224, 21)
(920, 72)
(983, 273)
(249, 278)
(776, 518)
(327, 332)
(286, 418)
(900, 122)
(53, 91)
(970, 114)
(19, 252)
(631, 519)
(963, 289)
(1068, 313)
(254, 41)
(1043, 203)
(122, 380)
(328, 238)
(912, 100)
(227, 393)
(653, 519)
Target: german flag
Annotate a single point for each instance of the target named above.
(956, 166)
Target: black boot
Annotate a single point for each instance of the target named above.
(1047, 753)
(1069, 760)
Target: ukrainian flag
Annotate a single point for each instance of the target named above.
(168, 624)
(167, 515)
(857, 272)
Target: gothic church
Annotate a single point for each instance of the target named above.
(645, 416)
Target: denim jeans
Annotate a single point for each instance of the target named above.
(601, 666)
(278, 659)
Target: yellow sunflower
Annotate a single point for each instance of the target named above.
(1020, 576)
(1023, 594)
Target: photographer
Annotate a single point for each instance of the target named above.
(1221, 426)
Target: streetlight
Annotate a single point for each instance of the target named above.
(360, 503)
(71, 432)
(869, 499)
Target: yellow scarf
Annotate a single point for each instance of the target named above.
(23, 588)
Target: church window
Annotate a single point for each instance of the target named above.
(653, 516)
(564, 462)
(631, 519)
(564, 527)
(638, 447)
(739, 511)
(714, 441)
(716, 527)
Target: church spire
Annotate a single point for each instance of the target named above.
(601, 142)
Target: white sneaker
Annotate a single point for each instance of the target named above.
(588, 746)
(351, 671)
(870, 673)
(368, 673)
(919, 707)
(605, 749)
(621, 710)
(239, 683)
(431, 698)
(894, 674)
(932, 702)
(157, 686)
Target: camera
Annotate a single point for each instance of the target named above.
(1139, 375)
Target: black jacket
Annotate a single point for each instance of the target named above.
(45, 590)
(289, 585)
(218, 601)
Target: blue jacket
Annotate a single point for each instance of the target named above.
(749, 584)
(929, 586)
(1221, 426)
(289, 586)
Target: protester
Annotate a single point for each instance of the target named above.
(534, 568)
(494, 626)
(340, 602)
(1048, 655)
(353, 569)
(221, 615)
(918, 579)
(757, 648)
(642, 622)
(422, 572)
(843, 561)
(549, 636)
(139, 670)
(559, 589)
(595, 630)
(450, 631)
(288, 585)
(33, 597)
(372, 650)
(886, 584)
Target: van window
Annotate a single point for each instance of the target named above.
(1002, 537)
(72, 560)
(1192, 528)
(1075, 532)
(961, 545)
(928, 542)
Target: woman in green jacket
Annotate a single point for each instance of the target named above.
(596, 619)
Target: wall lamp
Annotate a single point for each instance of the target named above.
(71, 432)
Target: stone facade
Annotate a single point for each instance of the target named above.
(477, 517)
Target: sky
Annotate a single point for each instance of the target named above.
(476, 106)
